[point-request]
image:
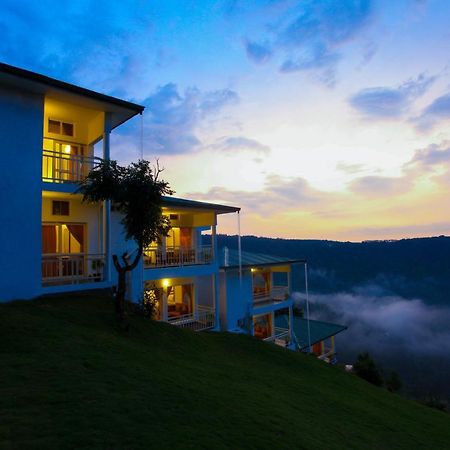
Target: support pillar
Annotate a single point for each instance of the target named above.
(107, 203)
(215, 255)
(164, 314)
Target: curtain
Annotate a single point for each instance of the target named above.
(49, 239)
(186, 237)
(77, 231)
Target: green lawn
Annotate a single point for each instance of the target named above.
(69, 379)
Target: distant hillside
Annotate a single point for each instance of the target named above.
(409, 267)
(69, 380)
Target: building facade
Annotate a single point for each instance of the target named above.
(52, 242)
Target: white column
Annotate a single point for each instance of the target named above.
(164, 315)
(107, 204)
(214, 244)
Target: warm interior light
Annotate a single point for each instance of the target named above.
(252, 269)
(165, 282)
(67, 149)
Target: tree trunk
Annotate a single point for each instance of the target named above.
(120, 294)
(122, 282)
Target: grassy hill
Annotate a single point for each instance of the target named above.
(69, 379)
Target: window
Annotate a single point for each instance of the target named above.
(67, 129)
(59, 127)
(60, 208)
(63, 238)
(54, 126)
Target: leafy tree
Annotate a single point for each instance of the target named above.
(366, 369)
(136, 192)
(393, 382)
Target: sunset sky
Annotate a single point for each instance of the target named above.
(321, 119)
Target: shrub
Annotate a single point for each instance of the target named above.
(393, 382)
(366, 369)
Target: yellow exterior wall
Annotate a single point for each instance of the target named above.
(191, 220)
(171, 282)
(88, 123)
(79, 213)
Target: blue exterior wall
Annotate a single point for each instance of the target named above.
(238, 297)
(21, 130)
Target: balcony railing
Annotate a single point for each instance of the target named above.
(72, 268)
(329, 356)
(203, 318)
(281, 337)
(277, 294)
(60, 167)
(155, 257)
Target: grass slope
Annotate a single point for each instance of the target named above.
(68, 379)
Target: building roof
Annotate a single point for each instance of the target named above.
(319, 330)
(253, 260)
(37, 83)
(182, 203)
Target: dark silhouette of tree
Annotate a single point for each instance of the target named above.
(366, 369)
(393, 382)
(136, 192)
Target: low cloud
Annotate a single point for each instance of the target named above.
(172, 117)
(424, 162)
(384, 323)
(278, 194)
(436, 112)
(433, 155)
(378, 186)
(237, 144)
(387, 102)
(350, 168)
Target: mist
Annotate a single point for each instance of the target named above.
(405, 335)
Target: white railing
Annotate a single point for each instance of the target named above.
(328, 356)
(202, 319)
(281, 336)
(277, 293)
(176, 256)
(60, 167)
(72, 268)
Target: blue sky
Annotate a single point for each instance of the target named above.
(322, 119)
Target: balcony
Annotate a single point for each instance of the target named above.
(155, 257)
(60, 269)
(281, 337)
(59, 167)
(203, 318)
(276, 294)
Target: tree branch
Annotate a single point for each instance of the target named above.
(157, 170)
(116, 263)
(136, 259)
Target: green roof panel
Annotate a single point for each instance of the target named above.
(319, 330)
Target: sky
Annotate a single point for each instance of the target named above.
(325, 119)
